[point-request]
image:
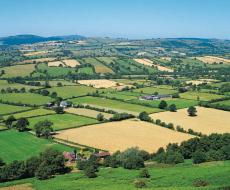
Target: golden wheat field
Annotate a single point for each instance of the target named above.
(207, 121)
(87, 112)
(213, 59)
(39, 60)
(56, 64)
(26, 186)
(100, 83)
(124, 134)
(70, 62)
(35, 53)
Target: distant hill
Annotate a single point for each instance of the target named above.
(30, 39)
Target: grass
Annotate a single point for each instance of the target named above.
(179, 177)
(225, 103)
(114, 104)
(4, 84)
(18, 70)
(107, 60)
(25, 98)
(72, 91)
(119, 96)
(86, 70)
(32, 113)
(200, 96)
(152, 90)
(63, 121)
(16, 145)
(8, 109)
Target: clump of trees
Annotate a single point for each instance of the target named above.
(192, 111)
(44, 166)
(121, 116)
(43, 128)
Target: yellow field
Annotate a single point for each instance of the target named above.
(124, 134)
(100, 83)
(18, 70)
(26, 186)
(201, 81)
(71, 62)
(87, 112)
(213, 59)
(35, 53)
(39, 60)
(207, 121)
(56, 64)
(150, 63)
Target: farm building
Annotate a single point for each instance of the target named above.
(155, 97)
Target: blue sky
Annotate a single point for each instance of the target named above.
(117, 18)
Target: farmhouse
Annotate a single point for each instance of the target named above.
(102, 154)
(155, 97)
(65, 104)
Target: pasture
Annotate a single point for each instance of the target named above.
(70, 62)
(9, 109)
(25, 98)
(100, 83)
(35, 53)
(18, 70)
(107, 60)
(20, 146)
(72, 91)
(63, 121)
(153, 89)
(213, 59)
(86, 70)
(124, 134)
(114, 105)
(192, 95)
(207, 121)
(87, 112)
(225, 103)
(4, 85)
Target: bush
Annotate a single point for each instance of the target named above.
(144, 174)
(192, 111)
(199, 157)
(139, 184)
(143, 116)
(111, 161)
(163, 104)
(200, 183)
(100, 117)
(90, 172)
(172, 108)
(43, 172)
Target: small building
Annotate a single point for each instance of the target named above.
(155, 97)
(70, 156)
(102, 154)
(49, 104)
(65, 104)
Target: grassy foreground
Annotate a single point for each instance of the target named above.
(163, 177)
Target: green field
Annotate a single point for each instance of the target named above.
(180, 103)
(4, 84)
(119, 96)
(225, 103)
(63, 121)
(200, 95)
(18, 70)
(107, 60)
(25, 98)
(113, 104)
(32, 113)
(152, 90)
(86, 70)
(72, 91)
(163, 177)
(16, 145)
(8, 109)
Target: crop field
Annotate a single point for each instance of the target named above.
(72, 91)
(56, 64)
(180, 103)
(71, 62)
(152, 90)
(4, 85)
(225, 103)
(100, 83)
(207, 120)
(35, 53)
(25, 98)
(18, 70)
(54, 83)
(8, 109)
(213, 59)
(86, 70)
(63, 121)
(32, 113)
(119, 96)
(125, 134)
(99, 67)
(107, 60)
(87, 112)
(114, 105)
(39, 60)
(200, 96)
(24, 145)
(26, 186)
(162, 178)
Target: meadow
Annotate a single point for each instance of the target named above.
(16, 145)
(25, 98)
(163, 177)
(18, 70)
(9, 109)
(200, 96)
(63, 121)
(114, 105)
(225, 103)
(153, 89)
(86, 70)
(4, 85)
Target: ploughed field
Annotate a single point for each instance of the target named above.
(124, 134)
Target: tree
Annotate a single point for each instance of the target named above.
(100, 117)
(59, 110)
(53, 95)
(163, 104)
(22, 124)
(9, 121)
(192, 111)
(43, 128)
(199, 157)
(43, 172)
(90, 172)
(172, 108)
(32, 165)
(2, 163)
(143, 116)
(144, 173)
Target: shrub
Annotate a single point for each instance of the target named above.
(144, 174)
(43, 172)
(100, 117)
(143, 116)
(192, 111)
(139, 184)
(163, 104)
(90, 172)
(172, 108)
(199, 157)
(200, 183)
(111, 161)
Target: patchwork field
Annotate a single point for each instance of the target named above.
(63, 121)
(213, 59)
(107, 60)
(72, 91)
(24, 145)
(100, 83)
(207, 121)
(200, 96)
(87, 112)
(4, 85)
(25, 98)
(71, 62)
(86, 70)
(18, 70)
(19, 187)
(114, 105)
(152, 90)
(39, 60)
(8, 109)
(56, 64)
(35, 53)
(225, 103)
(125, 134)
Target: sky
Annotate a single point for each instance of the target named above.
(117, 18)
